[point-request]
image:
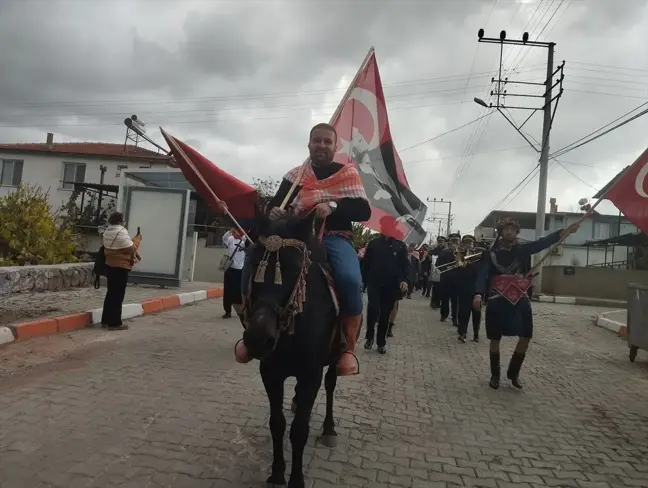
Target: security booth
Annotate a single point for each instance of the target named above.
(181, 240)
(157, 202)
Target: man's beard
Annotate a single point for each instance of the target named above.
(321, 158)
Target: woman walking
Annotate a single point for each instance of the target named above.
(121, 255)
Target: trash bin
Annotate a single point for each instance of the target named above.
(637, 322)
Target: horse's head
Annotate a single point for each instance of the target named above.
(281, 258)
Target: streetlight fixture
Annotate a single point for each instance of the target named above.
(479, 101)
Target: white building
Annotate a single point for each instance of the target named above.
(55, 167)
(574, 251)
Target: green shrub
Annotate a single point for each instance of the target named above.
(31, 233)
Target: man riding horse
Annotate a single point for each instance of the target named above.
(335, 194)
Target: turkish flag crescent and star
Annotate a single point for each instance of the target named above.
(630, 193)
(239, 197)
(364, 139)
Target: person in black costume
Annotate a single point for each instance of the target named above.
(426, 270)
(448, 284)
(466, 281)
(385, 270)
(504, 272)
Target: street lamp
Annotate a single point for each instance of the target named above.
(479, 101)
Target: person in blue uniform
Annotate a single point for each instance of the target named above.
(466, 281)
(504, 272)
(448, 284)
(385, 270)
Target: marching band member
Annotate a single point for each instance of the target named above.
(466, 280)
(504, 272)
(448, 279)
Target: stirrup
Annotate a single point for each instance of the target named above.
(356, 360)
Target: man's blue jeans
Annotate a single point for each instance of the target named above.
(346, 274)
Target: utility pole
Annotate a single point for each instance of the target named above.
(548, 111)
(435, 201)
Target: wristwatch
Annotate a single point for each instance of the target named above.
(333, 206)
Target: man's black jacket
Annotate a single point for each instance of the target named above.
(386, 262)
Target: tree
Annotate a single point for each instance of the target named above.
(31, 233)
(86, 217)
(361, 235)
(266, 187)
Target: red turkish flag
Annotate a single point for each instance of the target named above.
(211, 182)
(364, 139)
(630, 193)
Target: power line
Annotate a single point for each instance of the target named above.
(444, 133)
(251, 96)
(574, 145)
(459, 156)
(608, 66)
(574, 174)
(219, 119)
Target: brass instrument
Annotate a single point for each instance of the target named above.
(462, 258)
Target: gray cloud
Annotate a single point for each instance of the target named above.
(245, 80)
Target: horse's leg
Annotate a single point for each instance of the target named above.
(293, 404)
(273, 381)
(329, 436)
(309, 384)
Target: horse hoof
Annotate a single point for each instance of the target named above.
(329, 440)
(275, 481)
(293, 407)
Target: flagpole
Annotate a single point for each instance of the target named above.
(337, 112)
(579, 222)
(171, 141)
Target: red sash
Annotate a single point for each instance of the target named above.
(512, 287)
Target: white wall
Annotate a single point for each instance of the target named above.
(577, 256)
(46, 171)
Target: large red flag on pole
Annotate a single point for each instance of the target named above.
(364, 139)
(211, 182)
(630, 193)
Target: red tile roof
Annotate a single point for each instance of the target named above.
(108, 150)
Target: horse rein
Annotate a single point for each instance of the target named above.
(273, 244)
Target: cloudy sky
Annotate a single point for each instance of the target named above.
(243, 81)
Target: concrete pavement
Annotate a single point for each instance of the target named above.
(165, 405)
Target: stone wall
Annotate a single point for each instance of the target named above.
(596, 282)
(18, 279)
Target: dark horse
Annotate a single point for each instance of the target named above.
(291, 327)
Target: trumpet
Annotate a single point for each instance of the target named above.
(462, 259)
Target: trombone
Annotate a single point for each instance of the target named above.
(461, 260)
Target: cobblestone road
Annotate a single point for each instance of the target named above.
(164, 405)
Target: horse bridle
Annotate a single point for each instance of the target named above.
(272, 245)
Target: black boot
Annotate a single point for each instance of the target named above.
(495, 370)
(390, 330)
(513, 372)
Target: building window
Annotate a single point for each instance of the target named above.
(11, 172)
(73, 173)
(601, 230)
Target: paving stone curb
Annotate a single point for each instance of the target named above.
(92, 318)
(612, 325)
(593, 302)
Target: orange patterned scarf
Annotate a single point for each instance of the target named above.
(346, 183)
